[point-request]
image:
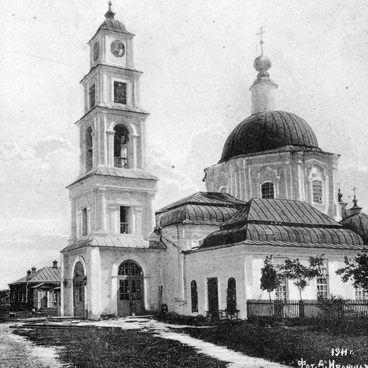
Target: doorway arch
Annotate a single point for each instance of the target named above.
(130, 298)
(79, 290)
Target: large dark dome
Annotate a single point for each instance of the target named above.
(269, 130)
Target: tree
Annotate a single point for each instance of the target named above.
(292, 269)
(356, 271)
(270, 279)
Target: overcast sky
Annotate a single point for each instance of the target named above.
(197, 58)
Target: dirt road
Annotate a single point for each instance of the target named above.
(18, 352)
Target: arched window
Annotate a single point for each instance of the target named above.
(194, 296)
(130, 268)
(89, 149)
(317, 191)
(231, 296)
(121, 140)
(267, 190)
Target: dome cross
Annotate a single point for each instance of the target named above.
(261, 31)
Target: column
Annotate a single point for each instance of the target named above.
(100, 210)
(114, 216)
(135, 152)
(73, 219)
(110, 147)
(150, 215)
(94, 283)
(138, 220)
(132, 221)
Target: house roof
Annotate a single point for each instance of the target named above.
(199, 208)
(283, 221)
(46, 274)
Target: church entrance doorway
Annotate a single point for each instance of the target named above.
(79, 282)
(212, 291)
(130, 291)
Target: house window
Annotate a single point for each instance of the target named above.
(89, 149)
(92, 96)
(267, 190)
(317, 191)
(280, 292)
(360, 294)
(121, 139)
(194, 296)
(124, 228)
(322, 284)
(231, 296)
(120, 92)
(84, 222)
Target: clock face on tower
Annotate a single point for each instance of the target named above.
(96, 51)
(117, 48)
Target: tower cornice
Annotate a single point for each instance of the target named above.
(111, 32)
(128, 111)
(109, 67)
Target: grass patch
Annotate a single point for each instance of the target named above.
(288, 344)
(90, 346)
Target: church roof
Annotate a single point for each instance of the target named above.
(281, 212)
(283, 221)
(45, 275)
(118, 241)
(199, 208)
(357, 223)
(269, 130)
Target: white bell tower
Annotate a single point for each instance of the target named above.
(113, 195)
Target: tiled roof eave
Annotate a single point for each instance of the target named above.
(283, 245)
(278, 223)
(208, 204)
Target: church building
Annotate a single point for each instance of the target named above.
(273, 192)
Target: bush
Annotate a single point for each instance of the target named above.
(332, 307)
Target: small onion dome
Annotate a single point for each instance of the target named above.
(110, 23)
(262, 64)
(269, 130)
(357, 223)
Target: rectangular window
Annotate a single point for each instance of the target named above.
(360, 294)
(124, 229)
(84, 222)
(268, 190)
(92, 96)
(120, 92)
(124, 290)
(317, 191)
(322, 284)
(280, 292)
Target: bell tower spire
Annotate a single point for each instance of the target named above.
(263, 88)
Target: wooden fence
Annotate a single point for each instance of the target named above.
(306, 309)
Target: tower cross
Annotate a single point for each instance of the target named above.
(354, 189)
(355, 200)
(261, 31)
